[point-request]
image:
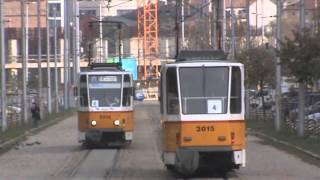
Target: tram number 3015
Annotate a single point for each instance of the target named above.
(204, 128)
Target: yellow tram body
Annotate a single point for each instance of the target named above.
(188, 134)
(105, 114)
(202, 115)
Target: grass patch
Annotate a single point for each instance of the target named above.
(288, 135)
(18, 130)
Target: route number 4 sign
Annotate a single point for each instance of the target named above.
(214, 106)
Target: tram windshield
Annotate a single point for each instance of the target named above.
(204, 90)
(105, 90)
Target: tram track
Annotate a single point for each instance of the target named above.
(115, 159)
(76, 165)
(97, 163)
(69, 169)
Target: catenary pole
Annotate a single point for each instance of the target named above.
(233, 33)
(224, 26)
(300, 123)
(3, 70)
(214, 5)
(182, 25)
(248, 30)
(56, 84)
(278, 68)
(66, 54)
(39, 58)
(48, 61)
(24, 61)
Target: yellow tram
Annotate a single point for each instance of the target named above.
(105, 114)
(202, 115)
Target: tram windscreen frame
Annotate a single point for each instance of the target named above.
(127, 91)
(204, 90)
(83, 91)
(105, 90)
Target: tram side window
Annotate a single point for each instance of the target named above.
(172, 91)
(235, 101)
(126, 78)
(161, 93)
(127, 91)
(83, 91)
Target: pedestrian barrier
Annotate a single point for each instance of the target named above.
(311, 126)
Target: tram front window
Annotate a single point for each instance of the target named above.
(204, 90)
(105, 91)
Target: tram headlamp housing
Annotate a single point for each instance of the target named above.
(93, 123)
(116, 122)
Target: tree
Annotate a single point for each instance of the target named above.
(259, 69)
(301, 57)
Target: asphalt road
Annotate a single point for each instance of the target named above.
(55, 154)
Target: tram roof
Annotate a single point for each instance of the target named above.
(203, 57)
(209, 54)
(204, 62)
(105, 71)
(104, 68)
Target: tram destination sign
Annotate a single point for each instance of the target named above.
(107, 79)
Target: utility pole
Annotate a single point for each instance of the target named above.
(56, 84)
(120, 44)
(24, 61)
(214, 24)
(100, 32)
(302, 16)
(77, 40)
(224, 26)
(256, 35)
(316, 16)
(68, 85)
(262, 22)
(75, 49)
(233, 33)
(182, 25)
(39, 58)
(66, 55)
(48, 61)
(248, 46)
(177, 29)
(248, 33)
(278, 68)
(302, 85)
(3, 71)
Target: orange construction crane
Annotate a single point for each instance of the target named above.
(148, 39)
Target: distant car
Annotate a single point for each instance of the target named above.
(13, 109)
(314, 112)
(314, 116)
(139, 95)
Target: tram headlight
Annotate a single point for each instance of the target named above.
(116, 122)
(93, 123)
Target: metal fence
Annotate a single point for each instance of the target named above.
(14, 110)
(311, 126)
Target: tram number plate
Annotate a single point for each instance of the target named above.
(204, 128)
(105, 117)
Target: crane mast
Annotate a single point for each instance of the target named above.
(148, 39)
